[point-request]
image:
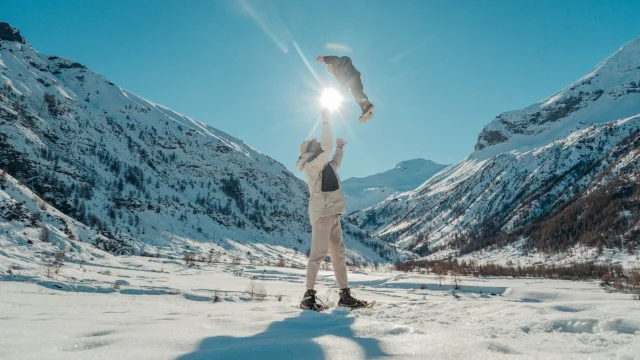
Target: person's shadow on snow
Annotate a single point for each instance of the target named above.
(291, 338)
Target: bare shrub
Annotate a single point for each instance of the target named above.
(256, 291)
(48, 269)
(58, 261)
(633, 281)
(251, 290)
(618, 285)
(52, 266)
(281, 262)
(326, 263)
(455, 284)
(404, 266)
(261, 292)
(439, 271)
(44, 235)
(575, 271)
(189, 259)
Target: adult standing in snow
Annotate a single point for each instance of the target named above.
(326, 204)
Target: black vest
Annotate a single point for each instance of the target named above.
(330, 181)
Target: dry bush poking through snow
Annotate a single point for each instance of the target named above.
(256, 291)
(261, 292)
(189, 259)
(44, 234)
(455, 283)
(55, 264)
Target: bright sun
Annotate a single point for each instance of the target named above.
(331, 99)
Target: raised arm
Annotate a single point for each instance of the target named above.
(337, 157)
(330, 59)
(326, 143)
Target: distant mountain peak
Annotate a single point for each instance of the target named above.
(9, 33)
(405, 176)
(413, 163)
(612, 84)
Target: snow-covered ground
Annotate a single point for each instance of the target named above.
(162, 310)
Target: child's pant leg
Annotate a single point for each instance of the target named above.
(357, 90)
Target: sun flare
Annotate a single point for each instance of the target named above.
(331, 99)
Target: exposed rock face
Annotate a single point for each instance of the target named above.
(9, 33)
(610, 91)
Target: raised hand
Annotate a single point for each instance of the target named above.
(341, 143)
(325, 115)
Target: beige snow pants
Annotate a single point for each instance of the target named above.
(326, 236)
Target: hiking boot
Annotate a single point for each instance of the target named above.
(347, 300)
(309, 302)
(366, 107)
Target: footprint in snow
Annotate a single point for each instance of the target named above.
(100, 333)
(500, 349)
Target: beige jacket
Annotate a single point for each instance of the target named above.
(323, 204)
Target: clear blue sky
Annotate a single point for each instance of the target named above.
(437, 71)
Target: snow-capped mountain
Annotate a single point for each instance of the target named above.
(572, 156)
(140, 175)
(608, 92)
(364, 192)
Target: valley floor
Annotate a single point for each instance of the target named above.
(162, 310)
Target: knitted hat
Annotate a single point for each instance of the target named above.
(305, 146)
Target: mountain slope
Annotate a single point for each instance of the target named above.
(143, 175)
(527, 169)
(609, 92)
(364, 192)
